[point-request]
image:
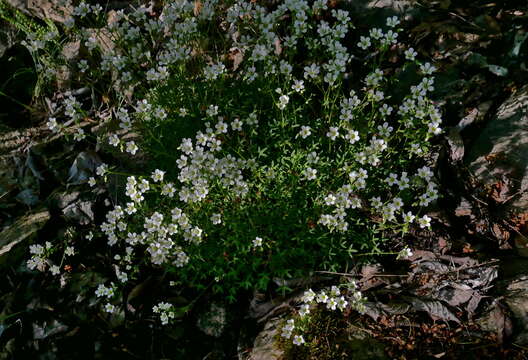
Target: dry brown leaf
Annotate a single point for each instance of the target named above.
(197, 7)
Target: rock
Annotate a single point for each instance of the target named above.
(8, 37)
(399, 6)
(79, 211)
(213, 321)
(499, 156)
(496, 320)
(265, 347)
(83, 167)
(15, 239)
(363, 346)
(517, 300)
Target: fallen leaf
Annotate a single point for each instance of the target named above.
(434, 308)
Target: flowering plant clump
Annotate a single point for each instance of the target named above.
(332, 299)
(276, 143)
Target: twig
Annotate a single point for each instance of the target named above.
(514, 229)
(477, 199)
(465, 20)
(352, 275)
(473, 266)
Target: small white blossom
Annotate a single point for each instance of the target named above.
(157, 175)
(410, 54)
(131, 147)
(101, 170)
(392, 21)
(404, 254)
(298, 340)
(309, 173)
(257, 242)
(216, 219)
(305, 132)
(424, 222)
(333, 133)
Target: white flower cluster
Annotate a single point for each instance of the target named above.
(165, 311)
(331, 298)
(40, 258)
(107, 292)
(347, 156)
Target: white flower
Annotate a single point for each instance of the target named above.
(183, 112)
(364, 42)
(342, 303)
(283, 101)
(298, 86)
(91, 181)
(425, 173)
(236, 125)
(390, 37)
(288, 329)
(157, 175)
(376, 33)
(131, 147)
(334, 291)
(212, 110)
(311, 71)
(54, 269)
(392, 179)
(410, 54)
(322, 297)
(408, 217)
(70, 251)
(109, 308)
(216, 219)
(427, 68)
(434, 128)
(404, 254)
(403, 183)
(331, 304)
(257, 242)
(333, 133)
(53, 125)
(305, 132)
(392, 21)
(330, 199)
(36, 249)
(113, 140)
(424, 221)
(304, 310)
(352, 136)
(376, 202)
(101, 170)
(79, 135)
(309, 296)
(298, 340)
(310, 174)
(385, 110)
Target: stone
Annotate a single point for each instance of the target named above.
(264, 346)
(499, 156)
(516, 298)
(15, 239)
(79, 211)
(213, 321)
